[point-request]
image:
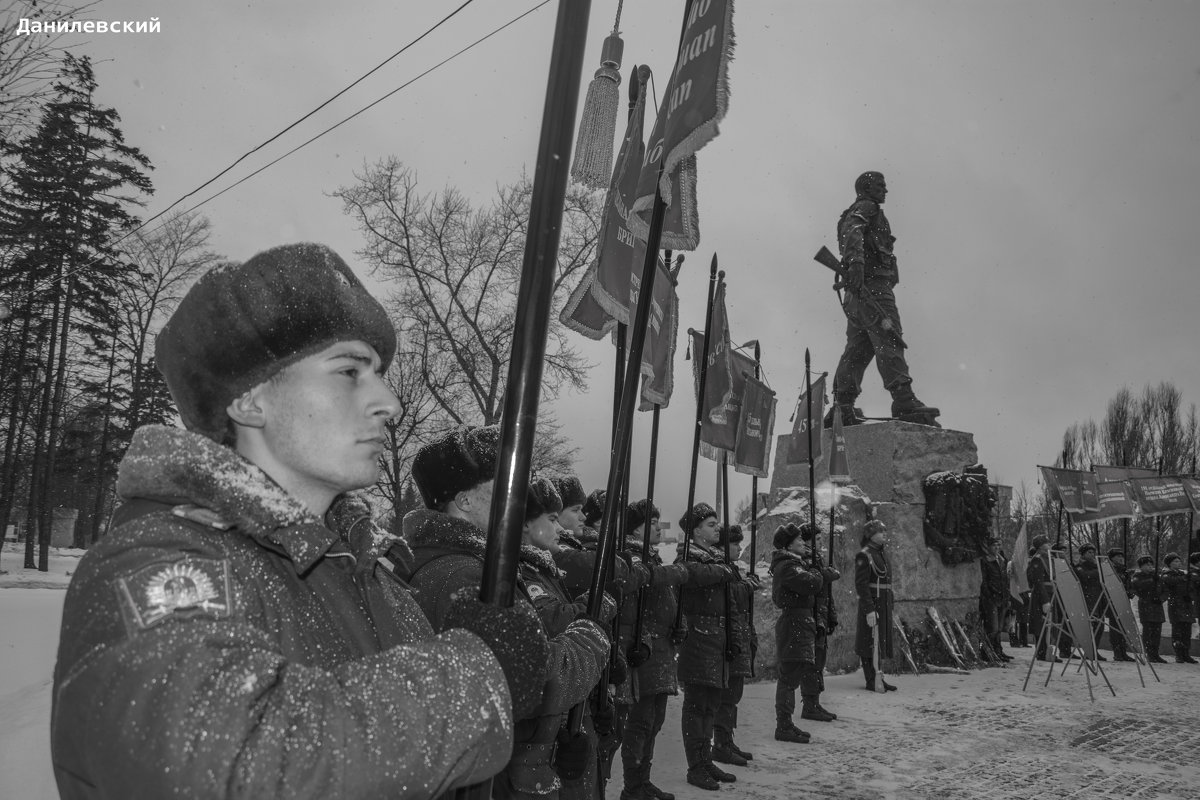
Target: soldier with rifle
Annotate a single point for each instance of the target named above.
(869, 274)
(744, 643)
(1146, 585)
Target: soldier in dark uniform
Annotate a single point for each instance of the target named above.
(872, 320)
(703, 662)
(1179, 607)
(1116, 559)
(993, 595)
(873, 582)
(1041, 595)
(797, 585)
(1065, 642)
(1088, 572)
(1145, 584)
(825, 619)
(744, 643)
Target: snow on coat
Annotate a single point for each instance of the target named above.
(223, 642)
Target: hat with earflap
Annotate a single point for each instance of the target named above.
(1169, 557)
(1145, 559)
(542, 498)
(593, 507)
(570, 490)
(456, 463)
(785, 535)
(241, 324)
(692, 518)
(638, 513)
(1087, 547)
(1113, 552)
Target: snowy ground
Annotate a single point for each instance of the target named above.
(941, 736)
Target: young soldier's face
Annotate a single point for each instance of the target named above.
(322, 420)
(708, 532)
(542, 532)
(571, 518)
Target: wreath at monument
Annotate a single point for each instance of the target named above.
(958, 513)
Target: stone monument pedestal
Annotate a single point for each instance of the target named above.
(888, 463)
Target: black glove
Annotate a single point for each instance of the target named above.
(615, 589)
(515, 637)
(618, 670)
(571, 757)
(603, 718)
(639, 653)
(679, 636)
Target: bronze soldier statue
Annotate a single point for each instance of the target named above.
(872, 320)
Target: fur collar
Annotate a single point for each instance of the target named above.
(426, 529)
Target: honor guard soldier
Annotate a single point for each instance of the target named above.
(873, 582)
(1146, 585)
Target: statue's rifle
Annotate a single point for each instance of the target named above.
(826, 258)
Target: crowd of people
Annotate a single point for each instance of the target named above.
(247, 629)
(1037, 616)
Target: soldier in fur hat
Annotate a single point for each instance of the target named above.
(1150, 594)
(237, 629)
(1180, 610)
(455, 476)
(744, 643)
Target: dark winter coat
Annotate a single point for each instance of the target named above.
(795, 589)
(702, 655)
(657, 674)
(873, 584)
(220, 641)
(865, 237)
(1179, 598)
(993, 585)
(745, 639)
(1150, 595)
(1088, 573)
(1041, 588)
(448, 558)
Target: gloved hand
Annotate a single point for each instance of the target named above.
(872, 618)
(754, 581)
(679, 635)
(639, 653)
(603, 718)
(1046, 609)
(618, 670)
(515, 637)
(617, 590)
(571, 756)
(829, 573)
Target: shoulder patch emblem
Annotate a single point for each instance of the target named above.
(189, 587)
(536, 591)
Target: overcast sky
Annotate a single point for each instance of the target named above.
(1043, 160)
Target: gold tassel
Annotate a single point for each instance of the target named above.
(598, 125)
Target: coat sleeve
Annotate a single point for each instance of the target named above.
(577, 657)
(207, 705)
(862, 581)
(799, 580)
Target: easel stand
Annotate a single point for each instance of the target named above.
(1056, 629)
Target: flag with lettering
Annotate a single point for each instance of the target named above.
(1075, 489)
(694, 102)
(658, 353)
(839, 464)
(582, 313)
(1161, 495)
(808, 426)
(1116, 502)
(756, 428)
(1106, 473)
(718, 433)
(620, 258)
(1191, 487)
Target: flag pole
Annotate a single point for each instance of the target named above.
(812, 461)
(713, 278)
(754, 520)
(534, 298)
(636, 653)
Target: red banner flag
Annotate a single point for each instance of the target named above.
(1018, 581)
(582, 313)
(718, 432)
(658, 354)
(1161, 495)
(839, 464)
(619, 256)
(1075, 489)
(798, 452)
(756, 428)
(1116, 502)
(1192, 487)
(1107, 474)
(693, 105)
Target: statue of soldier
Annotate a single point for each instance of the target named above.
(872, 320)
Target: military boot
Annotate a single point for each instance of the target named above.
(744, 754)
(785, 731)
(812, 710)
(724, 752)
(850, 414)
(907, 408)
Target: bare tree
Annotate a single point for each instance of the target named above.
(29, 62)
(455, 268)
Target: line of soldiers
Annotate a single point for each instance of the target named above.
(1177, 586)
(246, 629)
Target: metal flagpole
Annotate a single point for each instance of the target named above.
(534, 296)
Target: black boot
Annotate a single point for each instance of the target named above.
(812, 710)
(785, 731)
(906, 407)
(697, 774)
(724, 751)
(850, 414)
(744, 754)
